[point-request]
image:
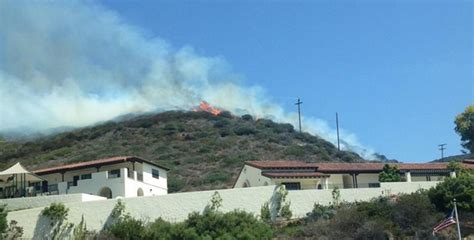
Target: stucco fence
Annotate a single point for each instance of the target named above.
(176, 207)
(41, 201)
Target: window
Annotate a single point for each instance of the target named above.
(155, 173)
(140, 177)
(86, 176)
(292, 185)
(114, 173)
(374, 185)
(53, 187)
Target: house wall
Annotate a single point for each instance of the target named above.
(69, 175)
(99, 181)
(335, 180)
(161, 182)
(363, 180)
(176, 207)
(423, 178)
(123, 186)
(253, 177)
(134, 188)
(304, 183)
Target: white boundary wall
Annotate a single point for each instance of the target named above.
(40, 201)
(176, 207)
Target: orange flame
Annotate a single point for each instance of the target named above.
(206, 107)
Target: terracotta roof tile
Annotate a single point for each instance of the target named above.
(378, 166)
(338, 167)
(468, 161)
(279, 164)
(103, 161)
(295, 175)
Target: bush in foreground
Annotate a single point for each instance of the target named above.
(461, 188)
(207, 225)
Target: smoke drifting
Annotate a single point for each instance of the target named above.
(71, 63)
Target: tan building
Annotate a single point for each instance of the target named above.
(301, 175)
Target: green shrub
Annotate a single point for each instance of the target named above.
(208, 225)
(13, 231)
(128, 228)
(55, 212)
(265, 213)
(225, 132)
(283, 127)
(230, 225)
(244, 130)
(282, 207)
(222, 122)
(415, 215)
(390, 174)
(247, 117)
(225, 114)
(80, 231)
(297, 151)
(285, 211)
(3, 219)
(461, 188)
(163, 230)
(175, 184)
(119, 210)
(321, 212)
(216, 176)
(215, 203)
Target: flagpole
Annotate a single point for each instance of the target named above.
(457, 219)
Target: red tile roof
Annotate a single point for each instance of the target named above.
(349, 167)
(295, 175)
(331, 167)
(334, 167)
(95, 163)
(279, 164)
(468, 161)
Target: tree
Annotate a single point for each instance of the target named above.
(465, 128)
(461, 188)
(389, 174)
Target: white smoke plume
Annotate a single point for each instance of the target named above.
(72, 63)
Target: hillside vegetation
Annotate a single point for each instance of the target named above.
(203, 151)
(455, 158)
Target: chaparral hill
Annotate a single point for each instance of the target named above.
(203, 150)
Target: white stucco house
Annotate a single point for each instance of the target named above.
(124, 176)
(297, 175)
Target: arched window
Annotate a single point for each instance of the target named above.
(105, 192)
(140, 192)
(246, 184)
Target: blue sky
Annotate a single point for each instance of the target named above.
(396, 71)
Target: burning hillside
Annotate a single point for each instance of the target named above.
(206, 107)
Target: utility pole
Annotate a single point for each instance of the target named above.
(442, 148)
(337, 128)
(298, 103)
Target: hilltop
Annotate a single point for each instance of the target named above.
(203, 151)
(456, 158)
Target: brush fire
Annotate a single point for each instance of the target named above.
(206, 107)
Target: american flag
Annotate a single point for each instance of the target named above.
(448, 221)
